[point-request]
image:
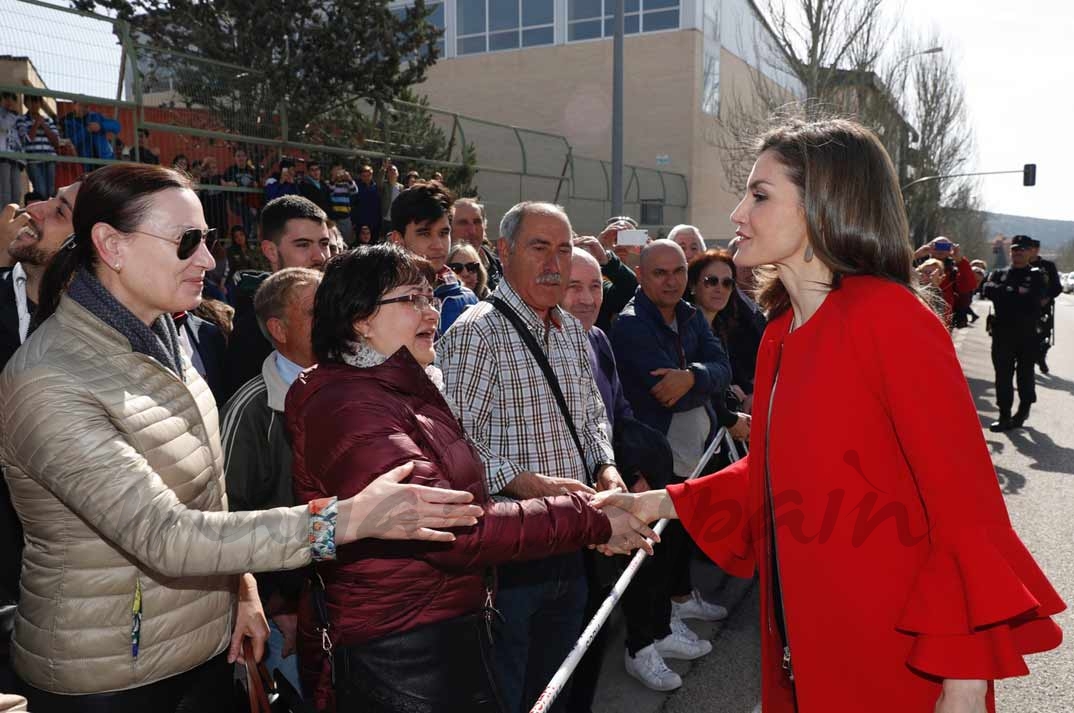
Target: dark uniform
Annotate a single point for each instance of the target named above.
(1052, 289)
(1017, 294)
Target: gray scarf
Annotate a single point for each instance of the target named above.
(160, 342)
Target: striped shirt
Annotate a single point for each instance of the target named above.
(38, 143)
(506, 406)
(340, 196)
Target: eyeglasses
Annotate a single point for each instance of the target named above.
(419, 302)
(712, 281)
(189, 241)
(458, 267)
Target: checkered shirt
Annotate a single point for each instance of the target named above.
(505, 403)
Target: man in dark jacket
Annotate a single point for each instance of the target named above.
(1052, 289)
(257, 448)
(671, 365)
(313, 187)
(294, 233)
(469, 225)
(421, 223)
(32, 237)
(365, 204)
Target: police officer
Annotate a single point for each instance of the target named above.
(1018, 293)
(1052, 289)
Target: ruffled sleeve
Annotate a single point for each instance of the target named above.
(713, 509)
(979, 601)
(978, 606)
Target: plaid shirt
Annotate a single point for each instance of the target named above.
(505, 403)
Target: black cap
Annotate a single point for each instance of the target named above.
(1024, 241)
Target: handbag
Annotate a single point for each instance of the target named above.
(266, 694)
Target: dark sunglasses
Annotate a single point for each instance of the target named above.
(712, 281)
(189, 241)
(458, 267)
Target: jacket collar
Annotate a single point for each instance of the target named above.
(505, 292)
(107, 340)
(645, 307)
(275, 387)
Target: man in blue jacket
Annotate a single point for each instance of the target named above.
(421, 223)
(671, 366)
(88, 131)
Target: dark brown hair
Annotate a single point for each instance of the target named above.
(353, 283)
(697, 266)
(855, 219)
(118, 195)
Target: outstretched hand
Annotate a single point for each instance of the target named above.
(389, 509)
(628, 533)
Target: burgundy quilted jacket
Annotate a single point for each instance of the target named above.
(351, 424)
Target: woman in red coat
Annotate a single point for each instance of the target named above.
(894, 583)
(409, 624)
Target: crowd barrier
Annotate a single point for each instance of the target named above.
(566, 669)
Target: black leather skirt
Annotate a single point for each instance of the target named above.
(445, 667)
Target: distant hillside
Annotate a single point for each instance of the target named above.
(1052, 234)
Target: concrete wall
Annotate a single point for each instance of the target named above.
(566, 90)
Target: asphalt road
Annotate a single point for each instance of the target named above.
(1035, 467)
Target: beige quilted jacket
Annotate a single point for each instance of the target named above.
(116, 471)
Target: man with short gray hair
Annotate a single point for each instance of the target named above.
(468, 225)
(509, 410)
(689, 238)
(257, 449)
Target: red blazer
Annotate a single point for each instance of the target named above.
(899, 566)
(348, 426)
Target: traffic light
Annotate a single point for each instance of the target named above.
(1029, 174)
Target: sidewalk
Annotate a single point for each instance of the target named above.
(618, 692)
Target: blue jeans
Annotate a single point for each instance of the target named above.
(543, 608)
(42, 175)
(287, 666)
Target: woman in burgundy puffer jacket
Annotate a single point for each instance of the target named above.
(409, 622)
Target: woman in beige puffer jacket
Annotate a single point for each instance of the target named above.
(132, 565)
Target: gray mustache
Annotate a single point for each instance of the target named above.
(549, 278)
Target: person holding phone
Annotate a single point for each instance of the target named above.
(958, 278)
(891, 578)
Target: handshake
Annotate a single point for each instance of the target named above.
(630, 515)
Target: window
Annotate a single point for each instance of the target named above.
(590, 19)
(493, 25)
(652, 213)
(435, 18)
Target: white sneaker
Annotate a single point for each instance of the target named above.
(697, 608)
(680, 629)
(677, 645)
(648, 667)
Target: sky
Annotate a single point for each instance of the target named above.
(1016, 61)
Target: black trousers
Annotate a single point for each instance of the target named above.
(205, 689)
(647, 601)
(1014, 357)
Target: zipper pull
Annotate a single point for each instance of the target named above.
(787, 662)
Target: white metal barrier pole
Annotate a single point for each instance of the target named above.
(566, 669)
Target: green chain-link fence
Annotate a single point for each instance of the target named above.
(206, 110)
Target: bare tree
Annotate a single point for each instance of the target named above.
(937, 107)
(851, 61)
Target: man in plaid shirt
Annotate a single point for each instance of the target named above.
(511, 416)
